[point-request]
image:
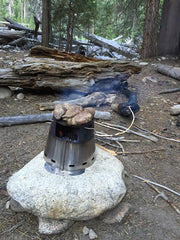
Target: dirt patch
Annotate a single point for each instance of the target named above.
(147, 219)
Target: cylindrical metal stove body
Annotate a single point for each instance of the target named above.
(69, 149)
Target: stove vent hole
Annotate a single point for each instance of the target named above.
(53, 161)
(93, 159)
(71, 165)
(84, 163)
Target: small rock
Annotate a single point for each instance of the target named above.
(175, 110)
(20, 96)
(8, 205)
(92, 234)
(163, 58)
(149, 78)
(5, 92)
(85, 230)
(143, 63)
(15, 206)
(117, 214)
(53, 226)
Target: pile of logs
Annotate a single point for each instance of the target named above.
(111, 45)
(19, 36)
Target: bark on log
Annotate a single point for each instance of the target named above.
(39, 118)
(170, 71)
(44, 52)
(110, 44)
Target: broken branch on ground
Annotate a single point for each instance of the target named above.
(44, 117)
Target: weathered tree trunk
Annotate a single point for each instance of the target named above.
(150, 29)
(37, 23)
(169, 35)
(69, 26)
(46, 4)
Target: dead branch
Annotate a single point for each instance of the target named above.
(162, 194)
(118, 127)
(157, 135)
(108, 143)
(13, 227)
(26, 119)
(156, 184)
(120, 132)
(170, 90)
(37, 118)
(142, 152)
(107, 150)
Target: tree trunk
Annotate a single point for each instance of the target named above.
(150, 29)
(37, 23)
(169, 35)
(68, 27)
(46, 22)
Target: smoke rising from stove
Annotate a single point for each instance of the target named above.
(118, 84)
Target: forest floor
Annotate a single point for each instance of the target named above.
(146, 219)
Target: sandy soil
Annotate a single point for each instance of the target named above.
(146, 219)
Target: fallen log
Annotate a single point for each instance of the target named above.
(40, 118)
(18, 120)
(94, 99)
(44, 52)
(14, 25)
(111, 45)
(22, 41)
(11, 34)
(170, 71)
(67, 72)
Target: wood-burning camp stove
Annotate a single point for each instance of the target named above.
(69, 149)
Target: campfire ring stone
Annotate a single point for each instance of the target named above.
(59, 200)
